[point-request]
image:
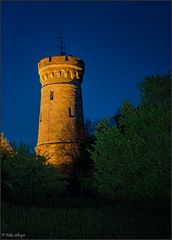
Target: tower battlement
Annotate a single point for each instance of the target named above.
(60, 60)
(60, 69)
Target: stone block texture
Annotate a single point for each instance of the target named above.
(61, 123)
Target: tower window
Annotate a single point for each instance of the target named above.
(49, 59)
(51, 95)
(40, 117)
(70, 113)
(66, 58)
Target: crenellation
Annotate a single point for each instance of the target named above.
(61, 75)
(61, 60)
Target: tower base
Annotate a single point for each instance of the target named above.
(59, 153)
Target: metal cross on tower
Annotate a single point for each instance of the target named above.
(62, 45)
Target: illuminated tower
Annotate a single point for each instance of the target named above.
(61, 124)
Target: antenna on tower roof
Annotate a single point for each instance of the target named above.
(61, 44)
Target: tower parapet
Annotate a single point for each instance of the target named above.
(60, 60)
(60, 69)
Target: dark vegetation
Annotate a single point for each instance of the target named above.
(109, 222)
(132, 152)
(119, 187)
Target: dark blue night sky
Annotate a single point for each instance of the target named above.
(120, 42)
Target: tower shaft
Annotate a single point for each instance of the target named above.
(61, 113)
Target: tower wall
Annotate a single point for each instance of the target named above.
(61, 113)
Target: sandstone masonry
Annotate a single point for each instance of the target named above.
(61, 124)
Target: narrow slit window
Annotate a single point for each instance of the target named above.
(51, 95)
(40, 117)
(70, 113)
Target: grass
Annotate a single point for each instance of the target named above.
(108, 222)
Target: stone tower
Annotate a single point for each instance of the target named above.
(61, 124)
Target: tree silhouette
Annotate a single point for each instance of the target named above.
(132, 158)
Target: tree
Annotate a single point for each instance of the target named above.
(5, 151)
(90, 130)
(77, 162)
(132, 158)
(5, 148)
(30, 175)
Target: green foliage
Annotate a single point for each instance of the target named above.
(156, 91)
(31, 176)
(5, 148)
(5, 152)
(132, 159)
